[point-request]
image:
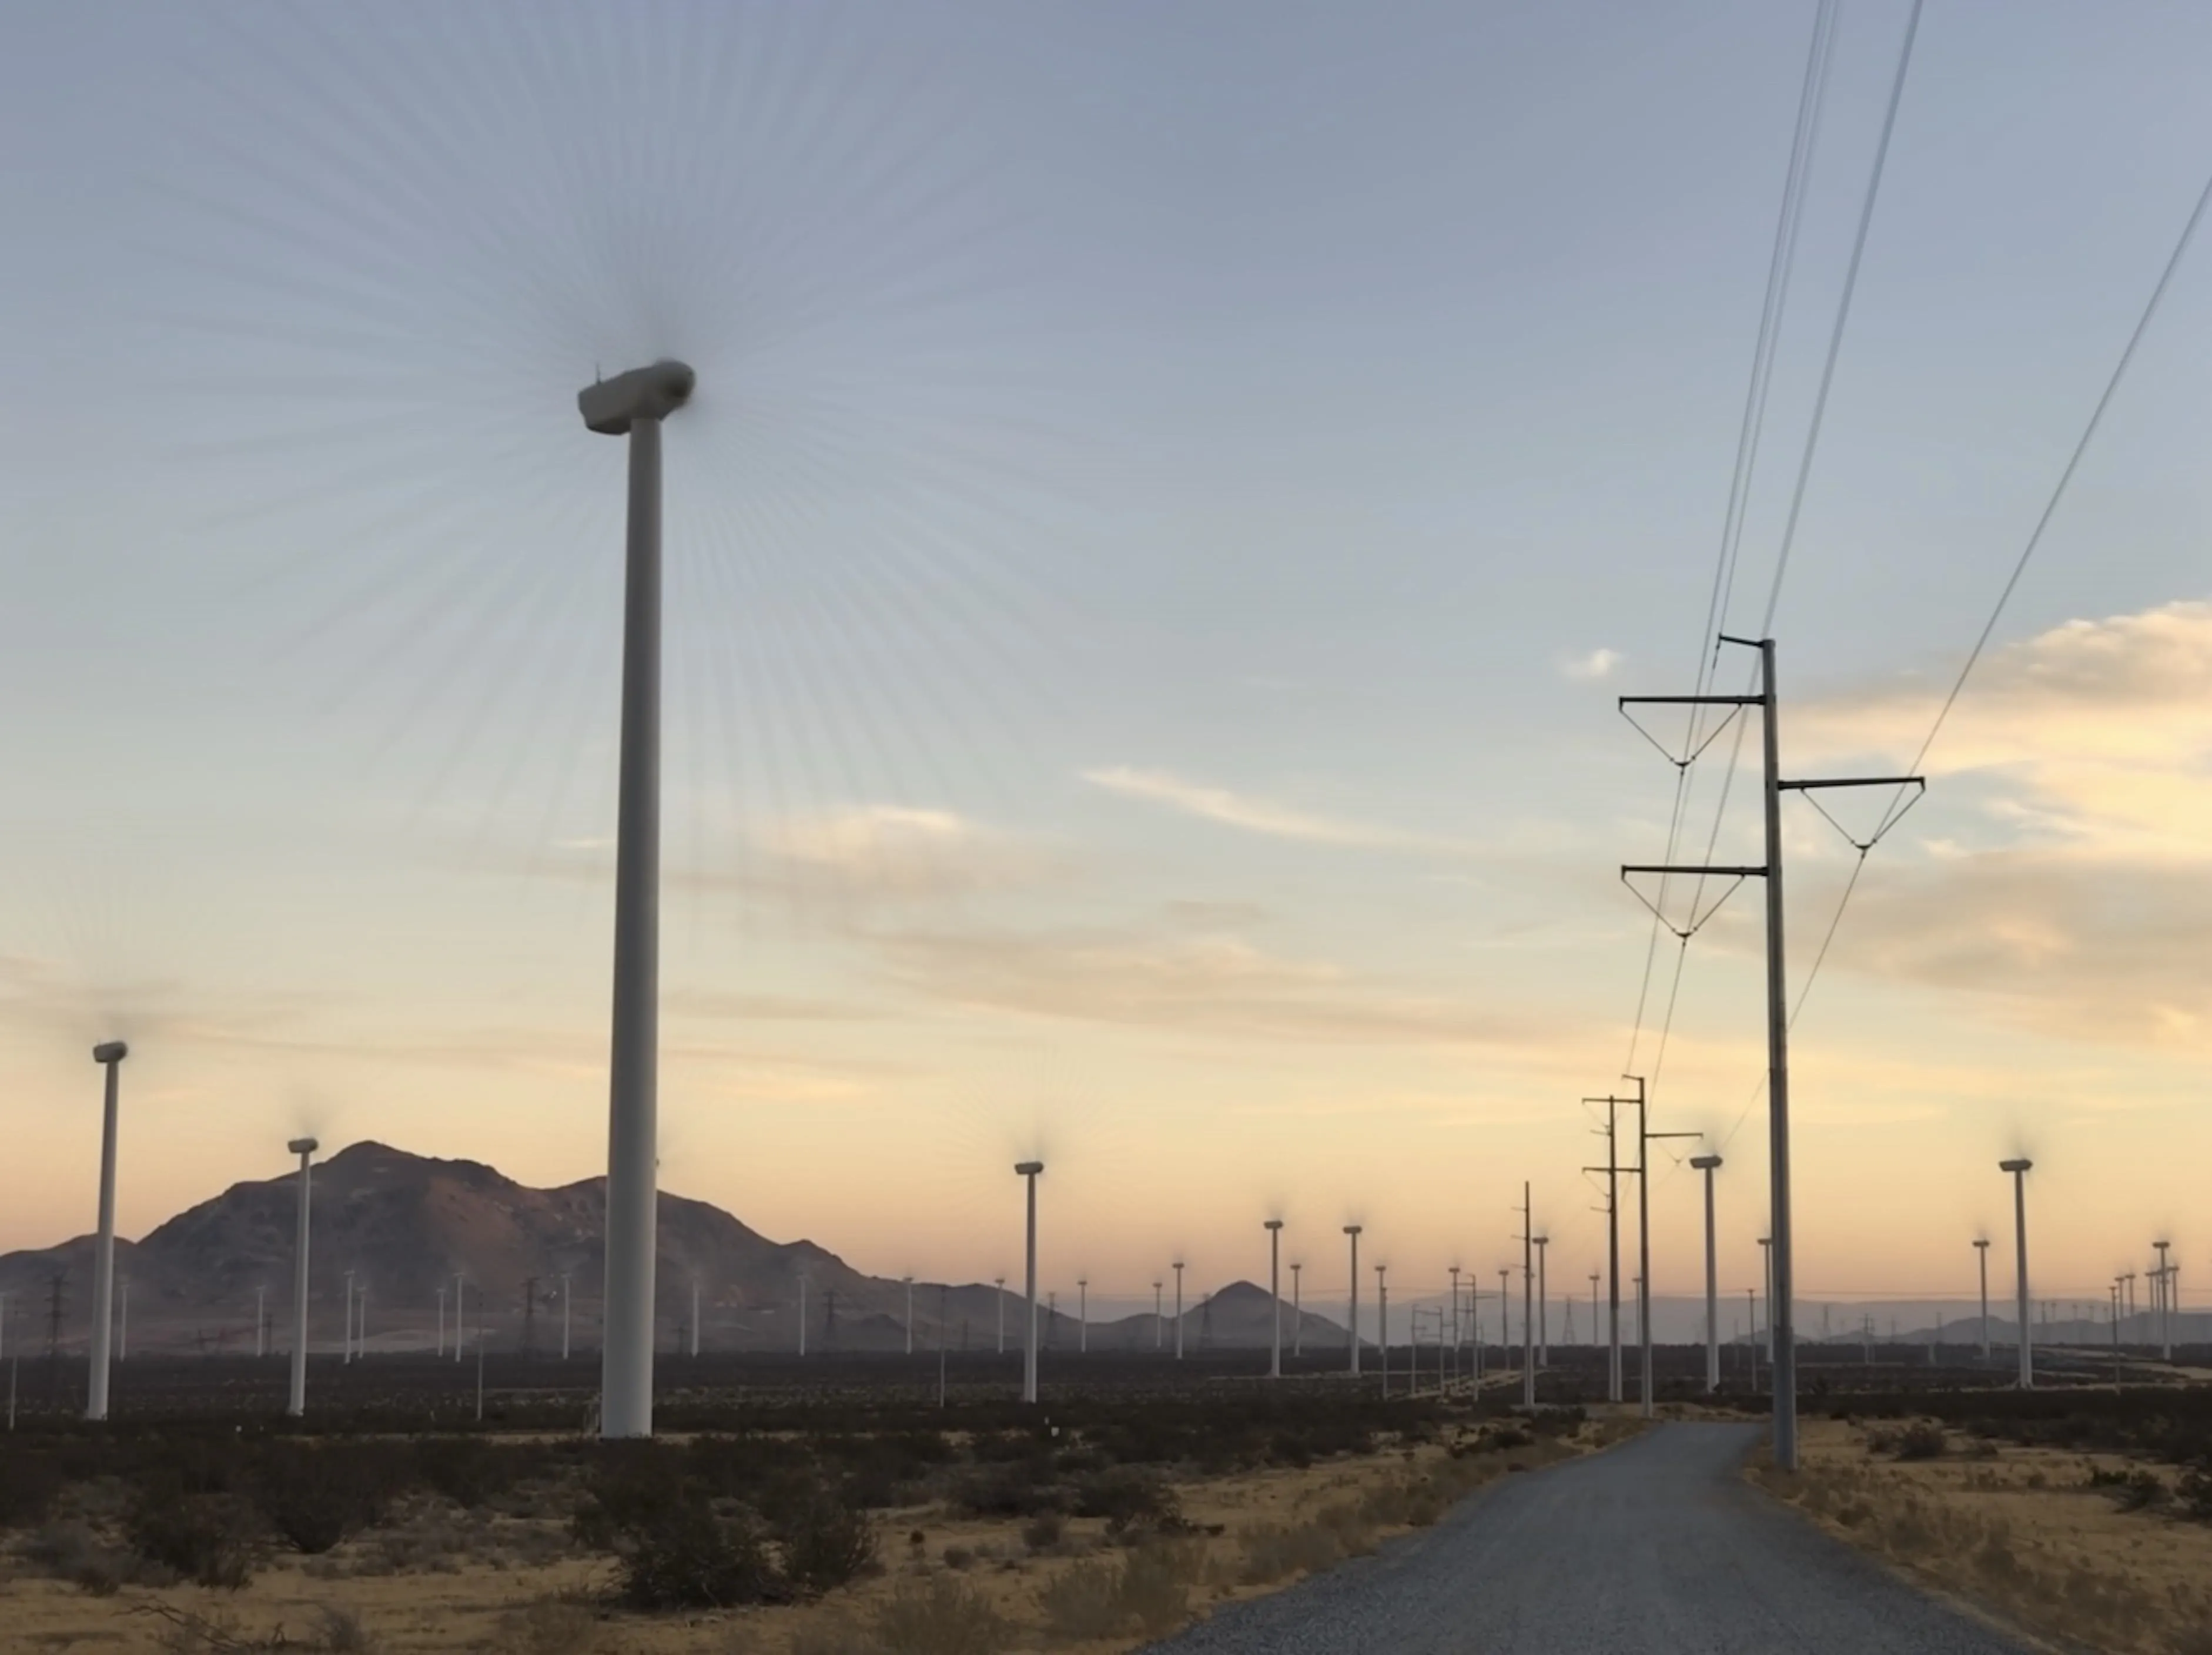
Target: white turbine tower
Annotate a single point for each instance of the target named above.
(1707, 1164)
(1275, 1298)
(1178, 1275)
(109, 1056)
(1982, 1256)
(296, 1404)
(1543, 1316)
(1028, 1170)
(1353, 1314)
(634, 404)
(2019, 1168)
(1082, 1313)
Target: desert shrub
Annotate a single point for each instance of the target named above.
(28, 1484)
(2131, 1490)
(1085, 1602)
(316, 1497)
(70, 1551)
(2195, 1493)
(468, 1470)
(1921, 1439)
(633, 1484)
(959, 1557)
(939, 1616)
(1289, 1448)
(826, 1543)
(1127, 1497)
(688, 1556)
(211, 1539)
(1042, 1533)
(1021, 1489)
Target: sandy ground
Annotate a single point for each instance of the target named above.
(498, 1584)
(2020, 1532)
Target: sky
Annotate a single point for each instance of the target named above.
(1172, 497)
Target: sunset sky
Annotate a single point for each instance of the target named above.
(1172, 495)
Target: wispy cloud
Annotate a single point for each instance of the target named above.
(1599, 664)
(1216, 984)
(1254, 816)
(897, 851)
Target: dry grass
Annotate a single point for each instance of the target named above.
(2065, 1545)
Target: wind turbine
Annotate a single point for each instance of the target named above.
(1708, 1164)
(1982, 1256)
(109, 1055)
(1382, 1323)
(635, 404)
(1353, 1230)
(1029, 1171)
(1178, 1275)
(1543, 1321)
(1274, 1226)
(2020, 1167)
(297, 1402)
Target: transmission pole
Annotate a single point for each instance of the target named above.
(1780, 1313)
(1613, 1170)
(1528, 1239)
(1643, 1137)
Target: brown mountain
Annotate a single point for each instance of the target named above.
(406, 1225)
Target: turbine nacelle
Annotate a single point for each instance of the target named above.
(610, 406)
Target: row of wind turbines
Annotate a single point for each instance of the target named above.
(635, 404)
(1454, 1324)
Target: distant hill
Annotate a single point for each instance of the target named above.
(406, 1224)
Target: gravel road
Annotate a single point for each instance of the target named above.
(1657, 1545)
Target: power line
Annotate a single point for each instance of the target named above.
(1804, 473)
(1843, 315)
(1898, 805)
(1780, 265)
